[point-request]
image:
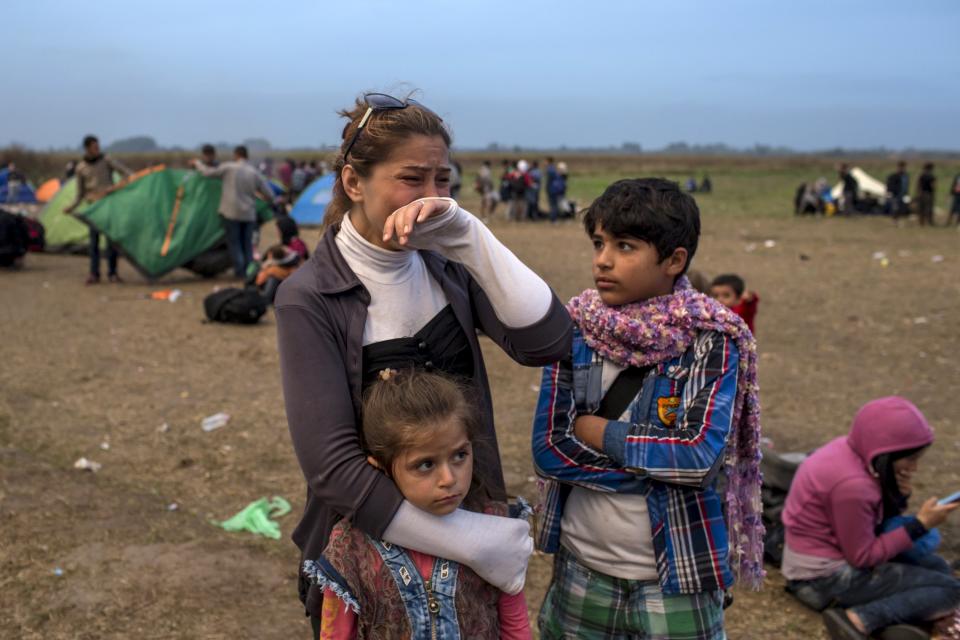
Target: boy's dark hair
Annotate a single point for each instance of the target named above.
(731, 280)
(241, 151)
(208, 150)
(89, 140)
(654, 210)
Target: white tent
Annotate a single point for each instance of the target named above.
(866, 185)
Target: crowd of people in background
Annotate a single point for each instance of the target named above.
(819, 198)
(521, 187)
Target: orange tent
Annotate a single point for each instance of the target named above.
(47, 190)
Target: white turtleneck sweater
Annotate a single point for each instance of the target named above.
(403, 295)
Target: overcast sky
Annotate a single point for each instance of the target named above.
(808, 75)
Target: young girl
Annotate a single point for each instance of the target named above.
(837, 553)
(420, 430)
(290, 236)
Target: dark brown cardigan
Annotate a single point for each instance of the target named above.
(321, 311)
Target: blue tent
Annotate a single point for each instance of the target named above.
(312, 203)
(24, 193)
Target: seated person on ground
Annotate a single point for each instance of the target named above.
(290, 236)
(280, 262)
(847, 543)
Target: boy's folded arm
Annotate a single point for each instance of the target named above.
(691, 453)
(557, 452)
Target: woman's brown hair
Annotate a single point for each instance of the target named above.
(401, 409)
(384, 131)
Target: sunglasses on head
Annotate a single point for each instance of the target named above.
(380, 102)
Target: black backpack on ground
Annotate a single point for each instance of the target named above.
(14, 238)
(235, 306)
(778, 471)
(211, 262)
(36, 234)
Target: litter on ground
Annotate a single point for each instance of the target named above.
(87, 465)
(214, 422)
(256, 517)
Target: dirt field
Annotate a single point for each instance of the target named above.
(84, 366)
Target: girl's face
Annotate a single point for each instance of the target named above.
(418, 168)
(904, 468)
(435, 475)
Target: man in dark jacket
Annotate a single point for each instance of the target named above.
(926, 186)
(898, 185)
(850, 187)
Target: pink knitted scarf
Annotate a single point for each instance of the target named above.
(659, 329)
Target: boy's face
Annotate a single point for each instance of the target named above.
(724, 294)
(627, 270)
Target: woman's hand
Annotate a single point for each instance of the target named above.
(401, 222)
(932, 515)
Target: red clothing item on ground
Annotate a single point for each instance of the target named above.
(339, 622)
(747, 309)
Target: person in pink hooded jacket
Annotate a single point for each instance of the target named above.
(835, 552)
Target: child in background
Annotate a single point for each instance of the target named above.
(730, 290)
(419, 429)
(280, 262)
(657, 398)
(290, 236)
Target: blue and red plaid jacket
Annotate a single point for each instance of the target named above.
(671, 451)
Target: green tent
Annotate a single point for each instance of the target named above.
(62, 231)
(162, 220)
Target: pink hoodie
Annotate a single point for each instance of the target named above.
(835, 502)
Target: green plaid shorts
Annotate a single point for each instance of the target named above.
(588, 605)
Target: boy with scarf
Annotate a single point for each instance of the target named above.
(655, 403)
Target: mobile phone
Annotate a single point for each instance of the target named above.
(953, 497)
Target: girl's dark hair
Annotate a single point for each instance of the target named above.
(654, 210)
(894, 502)
(403, 410)
(288, 229)
(384, 131)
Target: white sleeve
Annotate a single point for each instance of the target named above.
(519, 296)
(497, 549)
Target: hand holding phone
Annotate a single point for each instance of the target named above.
(953, 497)
(933, 513)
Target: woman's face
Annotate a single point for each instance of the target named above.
(904, 468)
(418, 168)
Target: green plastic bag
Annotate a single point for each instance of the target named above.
(256, 517)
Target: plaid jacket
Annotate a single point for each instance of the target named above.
(670, 451)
